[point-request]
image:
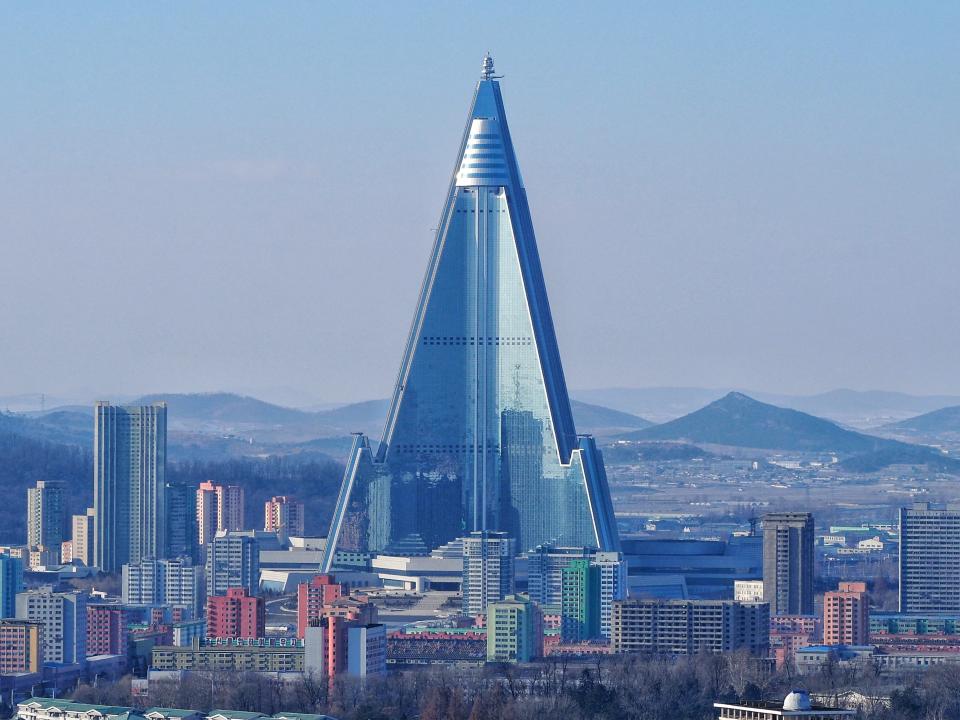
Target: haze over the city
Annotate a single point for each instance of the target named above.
(755, 196)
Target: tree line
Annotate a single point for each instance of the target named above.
(633, 687)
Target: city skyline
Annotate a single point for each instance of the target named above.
(673, 434)
(772, 182)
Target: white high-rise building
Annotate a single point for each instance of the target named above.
(613, 585)
(487, 570)
(164, 582)
(81, 540)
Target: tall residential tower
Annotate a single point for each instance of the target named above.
(930, 559)
(479, 434)
(788, 563)
(129, 494)
(219, 508)
(47, 514)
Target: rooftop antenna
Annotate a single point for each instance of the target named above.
(486, 72)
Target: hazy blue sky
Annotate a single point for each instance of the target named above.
(203, 196)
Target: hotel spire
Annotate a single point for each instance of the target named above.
(479, 434)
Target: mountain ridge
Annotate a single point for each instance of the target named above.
(944, 420)
(245, 416)
(741, 421)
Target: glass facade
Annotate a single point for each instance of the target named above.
(129, 498)
(479, 435)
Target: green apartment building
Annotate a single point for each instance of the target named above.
(580, 601)
(514, 630)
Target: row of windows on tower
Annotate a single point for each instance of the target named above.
(427, 448)
(489, 210)
(464, 340)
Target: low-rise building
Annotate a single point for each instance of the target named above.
(514, 630)
(64, 619)
(236, 615)
(418, 572)
(160, 713)
(789, 633)
(106, 629)
(234, 655)
(795, 705)
(184, 632)
(846, 615)
(20, 648)
(437, 647)
(811, 659)
(687, 627)
(367, 650)
(41, 708)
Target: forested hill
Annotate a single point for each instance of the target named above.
(25, 460)
(312, 477)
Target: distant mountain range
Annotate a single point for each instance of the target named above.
(228, 412)
(64, 427)
(854, 408)
(945, 421)
(857, 408)
(221, 426)
(738, 420)
(253, 441)
(217, 425)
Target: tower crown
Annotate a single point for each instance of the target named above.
(484, 159)
(486, 72)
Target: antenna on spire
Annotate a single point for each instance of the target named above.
(486, 72)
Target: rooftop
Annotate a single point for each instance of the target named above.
(66, 705)
(170, 712)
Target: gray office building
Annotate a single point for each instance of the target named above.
(129, 468)
(930, 559)
(788, 561)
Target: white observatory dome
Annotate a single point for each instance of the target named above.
(797, 700)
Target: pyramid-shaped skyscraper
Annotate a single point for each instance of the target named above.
(479, 435)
